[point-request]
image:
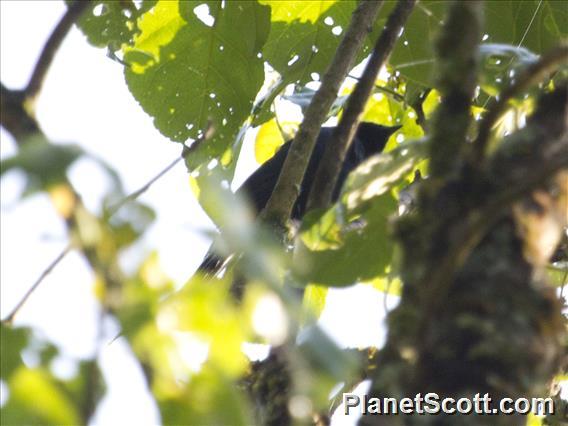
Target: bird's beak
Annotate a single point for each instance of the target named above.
(393, 129)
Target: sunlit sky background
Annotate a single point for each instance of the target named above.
(85, 100)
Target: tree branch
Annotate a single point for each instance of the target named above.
(335, 152)
(134, 195)
(14, 117)
(10, 318)
(279, 206)
(19, 119)
(529, 158)
(457, 70)
(52, 45)
(390, 92)
(532, 75)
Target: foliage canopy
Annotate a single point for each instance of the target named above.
(206, 73)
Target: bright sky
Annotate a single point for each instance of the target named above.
(86, 101)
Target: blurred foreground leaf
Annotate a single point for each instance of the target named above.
(209, 399)
(355, 230)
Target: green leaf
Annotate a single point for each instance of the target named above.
(13, 341)
(363, 242)
(112, 23)
(305, 35)
(413, 55)
(558, 275)
(206, 309)
(263, 258)
(301, 11)
(380, 173)
(355, 231)
(535, 25)
(44, 163)
(501, 64)
(209, 399)
(187, 74)
(36, 398)
(314, 301)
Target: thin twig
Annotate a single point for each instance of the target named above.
(134, 195)
(208, 134)
(334, 155)
(279, 206)
(418, 106)
(52, 45)
(532, 75)
(397, 96)
(129, 198)
(10, 318)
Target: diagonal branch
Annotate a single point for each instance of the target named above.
(279, 206)
(10, 318)
(16, 113)
(330, 166)
(52, 45)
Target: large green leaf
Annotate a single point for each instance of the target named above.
(535, 25)
(111, 23)
(305, 34)
(413, 55)
(187, 73)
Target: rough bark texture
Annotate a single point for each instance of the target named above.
(493, 325)
(269, 384)
(476, 314)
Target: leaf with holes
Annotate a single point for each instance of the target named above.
(534, 25)
(188, 71)
(305, 35)
(112, 23)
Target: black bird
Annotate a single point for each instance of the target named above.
(370, 139)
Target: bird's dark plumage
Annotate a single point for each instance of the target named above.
(370, 139)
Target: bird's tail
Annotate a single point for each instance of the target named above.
(211, 264)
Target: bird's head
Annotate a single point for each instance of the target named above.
(374, 137)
